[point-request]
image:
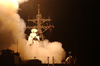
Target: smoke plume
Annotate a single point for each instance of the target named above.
(11, 25)
(12, 28)
(43, 49)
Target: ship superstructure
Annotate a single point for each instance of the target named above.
(39, 21)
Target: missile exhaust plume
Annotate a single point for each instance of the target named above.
(11, 25)
(12, 28)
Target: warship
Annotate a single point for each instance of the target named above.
(9, 58)
(36, 34)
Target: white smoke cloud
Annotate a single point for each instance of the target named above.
(12, 27)
(45, 49)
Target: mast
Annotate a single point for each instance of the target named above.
(38, 9)
(39, 21)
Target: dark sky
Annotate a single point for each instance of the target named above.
(75, 23)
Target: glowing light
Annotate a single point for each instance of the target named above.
(34, 30)
(33, 35)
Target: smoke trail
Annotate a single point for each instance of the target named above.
(12, 27)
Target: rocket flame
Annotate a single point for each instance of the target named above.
(12, 27)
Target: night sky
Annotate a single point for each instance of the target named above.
(75, 24)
